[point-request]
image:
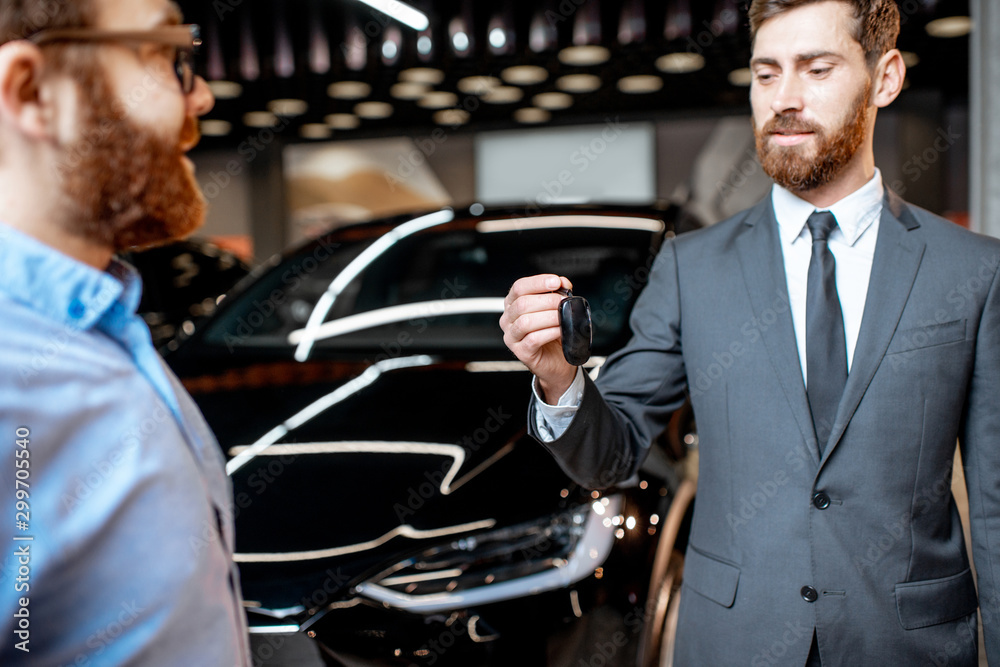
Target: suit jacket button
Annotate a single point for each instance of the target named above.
(809, 594)
(821, 501)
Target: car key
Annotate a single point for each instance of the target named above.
(577, 327)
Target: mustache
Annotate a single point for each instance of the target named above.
(190, 132)
(791, 124)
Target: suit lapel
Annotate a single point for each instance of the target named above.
(764, 273)
(894, 269)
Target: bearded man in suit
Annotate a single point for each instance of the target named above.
(835, 343)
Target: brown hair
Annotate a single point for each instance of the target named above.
(876, 25)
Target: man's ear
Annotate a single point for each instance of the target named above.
(890, 73)
(24, 101)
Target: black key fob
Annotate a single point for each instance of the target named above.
(577, 328)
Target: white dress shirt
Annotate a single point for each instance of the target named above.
(853, 246)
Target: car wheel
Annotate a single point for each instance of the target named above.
(656, 648)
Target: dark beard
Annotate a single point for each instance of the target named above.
(789, 168)
(130, 186)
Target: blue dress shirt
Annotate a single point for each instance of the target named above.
(126, 555)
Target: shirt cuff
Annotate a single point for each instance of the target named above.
(551, 421)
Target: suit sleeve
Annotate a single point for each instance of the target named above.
(980, 445)
(638, 389)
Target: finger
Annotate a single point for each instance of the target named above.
(539, 284)
(528, 347)
(527, 324)
(534, 303)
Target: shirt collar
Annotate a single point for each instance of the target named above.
(855, 213)
(62, 288)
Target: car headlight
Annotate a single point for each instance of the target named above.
(502, 564)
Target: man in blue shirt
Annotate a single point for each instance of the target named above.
(116, 546)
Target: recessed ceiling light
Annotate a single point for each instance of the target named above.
(910, 59)
(742, 77)
(503, 95)
(288, 107)
(578, 83)
(225, 90)
(680, 63)
(525, 75)
(260, 119)
(349, 90)
(638, 84)
(552, 101)
(429, 75)
(438, 99)
(407, 90)
(215, 128)
(451, 117)
(315, 131)
(532, 115)
(342, 121)
(582, 56)
(951, 26)
(478, 85)
(373, 110)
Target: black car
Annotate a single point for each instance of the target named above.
(390, 508)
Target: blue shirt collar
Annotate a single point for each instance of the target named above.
(62, 288)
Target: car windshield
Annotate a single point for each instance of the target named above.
(439, 289)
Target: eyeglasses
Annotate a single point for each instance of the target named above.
(185, 38)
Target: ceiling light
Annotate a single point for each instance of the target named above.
(452, 117)
(640, 83)
(532, 115)
(525, 75)
(225, 90)
(373, 110)
(910, 59)
(288, 107)
(742, 77)
(498, 38)
(315, 131)
(951, 26)
(438, 99)
(552, 101)
(407, 90)
(428, 75)
(355, 48)
(349, 90)
(458, 32)
(260, 119)
(503, 95)
(680, 63)
(542, 34)
(583, 56)
(389, 52)
(578, 83)
(391, 45)
(425, 45)
(342, 121)
(402, 12)
(215, 128)
(478, 85)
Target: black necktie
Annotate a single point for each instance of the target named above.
(826, 350)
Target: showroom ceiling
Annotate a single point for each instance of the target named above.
(320, 69)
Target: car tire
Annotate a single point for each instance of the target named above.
(656, 647)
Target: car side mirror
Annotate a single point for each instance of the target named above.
(577, 327)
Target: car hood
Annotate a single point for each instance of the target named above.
(374, 467)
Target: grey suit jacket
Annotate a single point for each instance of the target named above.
(882, 545)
